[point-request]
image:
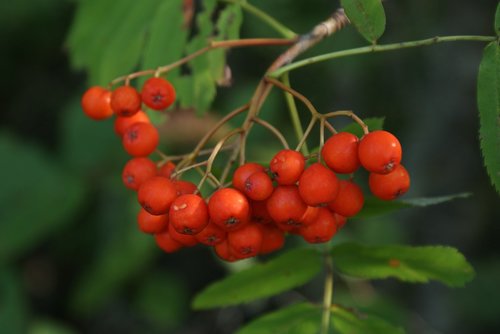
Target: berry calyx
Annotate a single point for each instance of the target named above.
(96, 103)
(229, 208)
(379, 152)
(287, 166)
(340, 153)
(211, 235)
(122, 123)
(390, 186)
(318, 185)
(158, 93)
(125, 101)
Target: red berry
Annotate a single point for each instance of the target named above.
(341, 220)
(184, 239)
(379, 152)
(158, 93)
(273, 239)
(246, 241)
(318, 185)
(229, 208)
(286, 207)
(322, 229)
(211, 235)
(136, 171)
(349, 201)
(260, 213)
(156, 195)
(96, 103)
(140, 139)
(243, 172)
(310, 215)
(188, 214)
(166, 169)
(258, 186)
(149, 223)
(287, 166)
(125, 101)
(184, 187)
(122, 123)
(224, 252)
(390, 186)
(165, 241)
(340, 153)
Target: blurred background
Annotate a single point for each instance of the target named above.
(71, 257)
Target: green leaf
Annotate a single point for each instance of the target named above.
(488, 98)
(497, 20)
(36, 203)
(280, 274)
(412, 264)
(347, 322)
(368, 16)
(48, 326)
(373, 123)
(13, 303)
(374, 206)
(302, 318)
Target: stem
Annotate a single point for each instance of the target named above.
(264, 17)
(294, 114)
(275, 131)
(377, 48)
(328, 293)
(350, 114)
(306, 134)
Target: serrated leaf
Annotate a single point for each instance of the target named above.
(488, 98)
(412, 264)
(263, 280)
(497, 20)
(374, 206)
(347, 322)
(373, 123)
(368, 16)
(35, 203)
(302, 318)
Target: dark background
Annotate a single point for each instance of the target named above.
(72, 259)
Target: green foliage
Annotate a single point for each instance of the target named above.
(412, 264)
(368, 16)
(302, 318)
(47, 326)
(349, 322)
(373, 123)
(263, 280)
(35, 204)
(13, 315)
(488, 98)
(497, 20)
(374, 206)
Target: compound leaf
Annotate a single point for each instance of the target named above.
(280, 274)
(348, 322)
(412, 264)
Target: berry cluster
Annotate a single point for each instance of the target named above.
(264, 203)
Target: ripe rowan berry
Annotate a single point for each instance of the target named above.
(340, 220)
(340, 153)
(379, 152)
(229, 208)
(390, 186)
(287, 166)
(122, 123)
(184, 239)
(260, 213)
(156, 195)
(211, 235)
(224, 252)
(310, 215)
(318, 185)
(286, 207)
(322, 229)
(349, 201)
(125, 101)
(136, 171)
(149, 223)
(166, 169)
(246, 241)
(258, 186)
(158, 93)
(165, 241)
(184, 187)
(188, 214)
(96, 103)
(243, 172)
(140, 139)
(273, 238)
